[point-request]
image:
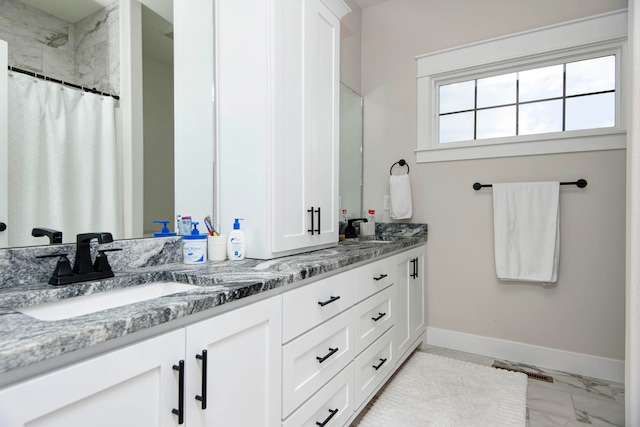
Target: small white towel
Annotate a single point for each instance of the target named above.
(526, 227)
(400, 192)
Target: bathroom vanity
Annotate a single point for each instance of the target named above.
(298, 340)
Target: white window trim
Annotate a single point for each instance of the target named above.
(606, 32)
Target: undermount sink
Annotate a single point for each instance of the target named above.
(375, 241)
(86, 304)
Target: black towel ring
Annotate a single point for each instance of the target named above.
(400, 162)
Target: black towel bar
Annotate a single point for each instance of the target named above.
(400, 162)
(581, 183)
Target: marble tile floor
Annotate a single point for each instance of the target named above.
(571, 400)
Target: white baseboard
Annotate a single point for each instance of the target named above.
(543, 357)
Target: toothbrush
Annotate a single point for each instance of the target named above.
(207, 223)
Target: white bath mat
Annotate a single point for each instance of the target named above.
(432, 390)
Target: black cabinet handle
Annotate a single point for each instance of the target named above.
(180, 411)
(203, 393)
(380, 364)
(333, 412)
(312, 229)
(414, 268)
(332, 351)
(329, 301)
(380, 277)
(380, 316)
(318, 229)
(3, 226)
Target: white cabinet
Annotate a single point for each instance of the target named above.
(332, 406)
(410, 322)
(313, 359)
(278, 122)
(133, 386)
(372, 366)
(139, 385)
(233, 362)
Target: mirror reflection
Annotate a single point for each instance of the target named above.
(350, 152)
(67, 167)
(81, 44)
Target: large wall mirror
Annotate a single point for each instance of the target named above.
(350, 152)
(128, 180)
(142, 74)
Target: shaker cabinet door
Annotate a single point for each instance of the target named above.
(133, 386)
(410, 320)
(233, 367)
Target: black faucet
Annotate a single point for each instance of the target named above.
(83, 268)
(350, 231)
(54, 236)
(83, 264)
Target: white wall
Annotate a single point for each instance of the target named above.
(584, 312)
(350, 47)
(158, 144)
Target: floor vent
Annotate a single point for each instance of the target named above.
(532, 375)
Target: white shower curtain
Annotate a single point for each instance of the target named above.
(632, 367)
(62, 161)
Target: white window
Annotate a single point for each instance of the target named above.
(553, 90)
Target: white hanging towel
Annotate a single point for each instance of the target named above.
(400, 192)
(526, 227)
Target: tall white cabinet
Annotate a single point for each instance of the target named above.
(277, 106)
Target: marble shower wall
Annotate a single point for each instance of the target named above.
(85, 53)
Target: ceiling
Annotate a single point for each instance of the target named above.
(75, 10)
(367, 3)
(69, 10)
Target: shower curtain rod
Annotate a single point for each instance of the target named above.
(51, 79)
(581, 183)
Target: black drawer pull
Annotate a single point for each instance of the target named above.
(322, 424)
(380, 364)
(329, 301)
(380, 277)
(203, 394)
(332, 351)
(414, 268)
(380, 316)
(180, 411)
(311, 230)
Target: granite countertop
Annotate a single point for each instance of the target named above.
(25, 341)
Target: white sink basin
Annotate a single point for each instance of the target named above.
(78, 306)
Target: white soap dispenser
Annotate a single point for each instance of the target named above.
(236, 245)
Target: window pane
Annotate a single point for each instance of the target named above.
(456, 127)
(540, 117)
(541, 83)
(457, 97)
(496, 122)
(592, 75)
(497, 90)
(592, 111)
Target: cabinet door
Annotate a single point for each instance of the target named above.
(134, 386)
(322, 93)
(410, 320)
(305, 152)
(243, 369)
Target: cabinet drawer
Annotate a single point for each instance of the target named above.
(310, 305)
(372, 366)
(374, 277)
(313, 359)
(373, 317)
(337, 396)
